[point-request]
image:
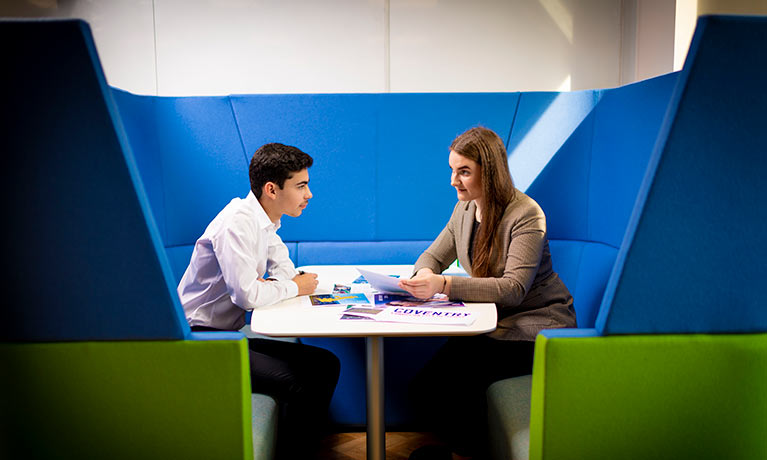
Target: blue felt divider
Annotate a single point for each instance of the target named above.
(626, 125)
(584, 267)
(339, 132)
(561, 189)
(549, 124)
(88, 262)
(204, 165)
(137, 115)
(190, 152)
(414, 198)
(589, 186)
(693, 259)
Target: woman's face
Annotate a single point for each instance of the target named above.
(466, 177)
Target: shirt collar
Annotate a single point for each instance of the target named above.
(261, 217)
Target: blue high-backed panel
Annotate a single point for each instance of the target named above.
(189, 151)
(626, 125)
(561, 189)
(557, 126)
(584, 267)
(179, 257)
(84, 259)
(203, 163)
(415, 198)
(339, 132)
(694, 257)
(543, 123)
(137, 115)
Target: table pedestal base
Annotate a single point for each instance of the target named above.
(376, 429)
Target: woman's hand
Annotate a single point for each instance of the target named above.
(424, 285)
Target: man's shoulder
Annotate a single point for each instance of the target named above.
(235, 216)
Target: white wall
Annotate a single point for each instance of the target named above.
(687, 12)
(207, 47)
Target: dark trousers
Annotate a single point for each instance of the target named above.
(449, 393)
(301, 378)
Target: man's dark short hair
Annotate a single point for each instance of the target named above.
(276, 163)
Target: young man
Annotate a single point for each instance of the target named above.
(240, 263)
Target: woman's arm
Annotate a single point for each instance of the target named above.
(437, 257)
(527, 234)
(441, 253)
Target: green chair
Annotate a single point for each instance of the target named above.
(97, 358)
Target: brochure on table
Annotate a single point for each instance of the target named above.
(392, 304)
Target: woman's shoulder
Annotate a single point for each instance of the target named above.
(463, 207)
(523, 205)
(523, 210)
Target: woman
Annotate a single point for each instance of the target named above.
(499, 236)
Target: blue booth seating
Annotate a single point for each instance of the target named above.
(381, 183)
(675, 365)
(98, 360)
(381, 186)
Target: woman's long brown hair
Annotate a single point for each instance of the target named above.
(487, 149)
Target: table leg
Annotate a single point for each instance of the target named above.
(376, 429)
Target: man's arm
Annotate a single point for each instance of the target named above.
(239, 265)
(280, 267)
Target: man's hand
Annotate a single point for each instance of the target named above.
(307, 283)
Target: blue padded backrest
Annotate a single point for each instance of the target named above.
(694, 257)
(190, 151)
(414, 196)
(374, 154)
(626, 125)
(557, 126)
(584, 267)
(137, 115)
(84, 260)
(339, 132)
(589, 187)
(550, 125)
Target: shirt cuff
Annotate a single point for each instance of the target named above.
(292, 288)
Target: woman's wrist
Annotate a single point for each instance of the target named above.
(423, 271)
(444, 284)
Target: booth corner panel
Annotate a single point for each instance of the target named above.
(99, 360)
(676, 364)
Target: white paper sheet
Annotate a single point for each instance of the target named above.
(383, 283)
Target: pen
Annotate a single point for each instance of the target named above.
(301, 272)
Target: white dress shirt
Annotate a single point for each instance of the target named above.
(221, 282)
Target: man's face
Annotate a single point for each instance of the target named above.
(295, 194)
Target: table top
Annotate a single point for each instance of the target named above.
(296, 317)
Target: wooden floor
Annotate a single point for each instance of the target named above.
(351, 446)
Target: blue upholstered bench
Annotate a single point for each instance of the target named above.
(381, 184)
(378, 153)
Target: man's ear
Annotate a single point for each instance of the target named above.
(269, 190)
